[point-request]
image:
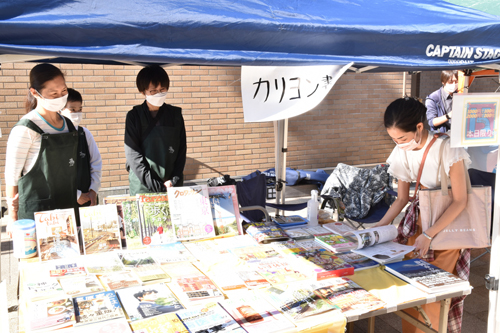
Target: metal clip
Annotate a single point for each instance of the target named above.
(490, 282)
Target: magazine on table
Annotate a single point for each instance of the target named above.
(290, 221)
(103, 263)
(155, 219)
(251, 254)
(386, 252)
(210, 317)
(373, 236)
(81, 285)
(100, 229)
(170, 253)
(426, 276)
(223, 275)
(336, 243)
(256, 315)
(265, 232)
(148, 301)
(252, 279)
(338, 228)
(209, 251)
(225, 210)
(286, 248)
(43, 288)
(358, 261)
(166, 323)
(119, 325)
(143, 265)
(66, 268)
(298, 234)
(120, 280)
(191, 213)
(128, 216)
(97, 307)
(51, 313)
(56, 233)
(317, 231)
(324, 264)
(279, 270)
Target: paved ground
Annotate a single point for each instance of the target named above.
(476, 304)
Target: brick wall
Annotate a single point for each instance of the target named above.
(346, 127)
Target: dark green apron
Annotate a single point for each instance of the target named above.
(160, 146)
(83, 165)
(51, 183)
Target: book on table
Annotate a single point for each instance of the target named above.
(42, 288)
(148, 301)
(358, 261)
(336, 243)
(97, 307)
(53, 313)
(279, 270)
(120, 280)
(290, 221)
(250, 254)
(256, 315)
(155, 219)
(265, 232)
(57, 235)
(317, 231)
(66, 268)
(170, 253)
(100, 229)
(190, 212)
(225, 210)
(128, 214)
(166, 323)
(338, 228)
(109, 326)
(223, 274)
(324, 264)
(298, 234)
(143, 265)
(81, 285)
(426, 276)
(210, 317)
(103, 263)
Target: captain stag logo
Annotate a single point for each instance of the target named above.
(71, 162)
(171, 150)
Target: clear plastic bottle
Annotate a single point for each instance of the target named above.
(313, 209)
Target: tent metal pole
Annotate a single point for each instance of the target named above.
(281, 136)
(403, 93)
(277, 160)
(284, 129)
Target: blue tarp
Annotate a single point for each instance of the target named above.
(393, 34)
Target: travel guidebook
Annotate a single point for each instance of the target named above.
(97, 307)
(56, 234)
(358, 261)
(256, 315)
(120, 280)
(336, 243)
(81, 285)
(103, 263)
(325, 264)
(426, 276)
(148, 301)
(210, 317)
(190, 212)
(265, 232)
(66, 268)
(170, 253)
(128, 215)
(155, 220)
(51, 313)
(348, 296)
(225, 210)
(142, 264)
(100, 229)
(166, 323)
(43, 288)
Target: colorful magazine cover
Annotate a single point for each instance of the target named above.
(81, 285)
(120, 280)
(167, 323)
(251, 254)
(142, 263)
(358, 261)
(336, 243)
(256, 315)
(170, 253)
(225, 210)
(155, 219)
(97, 307)
(223, 275)
(265, 232)
(57, 234)
(148, 301)
(50, 313)
(278, 271)
(43, 288)
(100, 229)
(325, 264)
(103, 263)
(66, 268)
(252, 279)
(191, 214)
(210, 317)
(128, 216)
(119, 325)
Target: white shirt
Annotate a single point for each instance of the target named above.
(404, 165)
(23, 147)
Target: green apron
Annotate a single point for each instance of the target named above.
(51, 183)
(160, 148)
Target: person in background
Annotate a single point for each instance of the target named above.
(89, 159)
(155, 137)
(41, 174)
(439, 103)
(404, 120)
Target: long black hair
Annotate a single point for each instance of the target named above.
(405, 114)
(39, 75)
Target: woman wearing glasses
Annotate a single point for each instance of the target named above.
(155, 137)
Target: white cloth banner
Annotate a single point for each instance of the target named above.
(275, 93)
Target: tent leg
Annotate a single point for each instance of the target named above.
(281, 138)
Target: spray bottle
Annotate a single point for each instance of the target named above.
(313, 209)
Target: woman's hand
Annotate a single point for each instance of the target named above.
(422, 244)
(168, 184)
(13, 203)
(84, 198)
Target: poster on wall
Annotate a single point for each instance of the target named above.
(475, 120)
(280, 92)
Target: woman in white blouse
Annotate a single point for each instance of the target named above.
(404, 120)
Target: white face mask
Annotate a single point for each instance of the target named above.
(53, 105)
(75, 117)
(451, 87)
(407, 146)
(157, 99)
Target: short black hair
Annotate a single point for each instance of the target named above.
(141, 294)
(405, 114)
(152, 74)
(447, 75)
(74, 96)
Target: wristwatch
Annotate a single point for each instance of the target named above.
(447, 116)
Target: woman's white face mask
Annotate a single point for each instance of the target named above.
(75, 117)
(450, 88)
(157, 99)
(53, 105)
(408, 146)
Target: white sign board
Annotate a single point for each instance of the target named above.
(475, 120)
(276, 93)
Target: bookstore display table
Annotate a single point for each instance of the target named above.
(396, 293)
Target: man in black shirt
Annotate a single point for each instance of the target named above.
(155, 137)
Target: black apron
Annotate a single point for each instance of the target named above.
(160, 146)
(83, 165)
(51, 183)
